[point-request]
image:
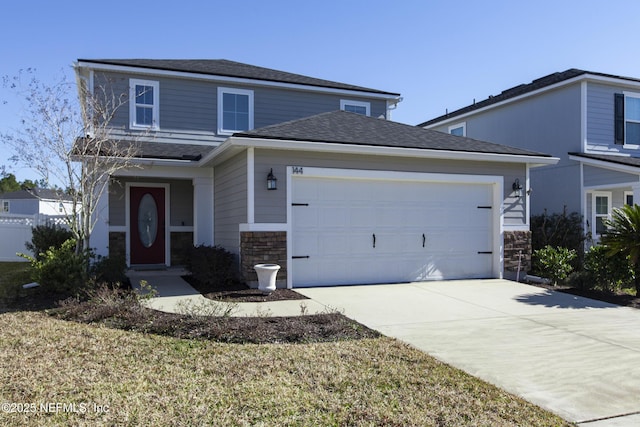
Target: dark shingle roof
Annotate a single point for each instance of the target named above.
(349, 128)
(522, 89)
(146, 149)
(36, 193)
(620, 160)
(226, 68)
(157, 150)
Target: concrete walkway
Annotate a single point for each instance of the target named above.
(175, 296)
(576, 357)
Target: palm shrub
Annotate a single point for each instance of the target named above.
(554, 262)
(622, 236)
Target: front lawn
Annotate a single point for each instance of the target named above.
(106, 372)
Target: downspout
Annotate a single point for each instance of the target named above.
(392, 105)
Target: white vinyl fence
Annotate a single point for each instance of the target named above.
(15, 230)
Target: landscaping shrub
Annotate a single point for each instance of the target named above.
(211, 265)
(45, 237)
(559, 230)
(60, 268)
(109, 269)
(554, 262)
(606, 272)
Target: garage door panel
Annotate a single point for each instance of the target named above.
(343, 217)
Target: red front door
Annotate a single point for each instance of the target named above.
(147, 221)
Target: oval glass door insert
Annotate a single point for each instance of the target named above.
(147, 220)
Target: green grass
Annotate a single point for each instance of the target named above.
(12, 276)
(148, 379)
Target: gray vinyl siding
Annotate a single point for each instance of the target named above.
(594, 176)
(180, 200)
(600, 119)
(538, 123)
(23, 206)
(191, 105)
(113, 86)
(230, 201)
(276, 105)
(270, 206)
(548, 123)
(600, 123)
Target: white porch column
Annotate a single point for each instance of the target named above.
(636, 193)
(99, 239)
(203, 211)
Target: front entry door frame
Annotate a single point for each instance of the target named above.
(167, 204)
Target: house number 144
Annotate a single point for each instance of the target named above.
(297, 170)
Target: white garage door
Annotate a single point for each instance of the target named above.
(360, 231)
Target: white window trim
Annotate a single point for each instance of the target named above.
(626, 194)
(629, 95)
(132, 103)
(462, 125)
(608, 195)
(223, 90)
(366, 105)
(6, 203)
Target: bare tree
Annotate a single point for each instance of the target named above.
(66, 136)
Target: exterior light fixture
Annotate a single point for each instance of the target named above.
(272, 181)
(517, 188)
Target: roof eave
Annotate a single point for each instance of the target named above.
(604, 164)
(587, 76)
(237, 80)
(234, 142)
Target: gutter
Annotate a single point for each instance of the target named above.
(328, 147)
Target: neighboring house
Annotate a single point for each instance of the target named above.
(265, 164)
(35, 201)
(591, 121)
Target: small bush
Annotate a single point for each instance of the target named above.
(212, 266)
(45, 237)
(559, 230)
(109, 270)
(604, 272)
(60, 269)
(554, 263)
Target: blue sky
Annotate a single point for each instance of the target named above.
(438, 54)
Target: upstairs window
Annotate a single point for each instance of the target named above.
(235, 110)
(627, 118)
(144, 109)
(459, 129)
(358, 107)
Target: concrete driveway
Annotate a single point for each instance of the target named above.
(576, 357)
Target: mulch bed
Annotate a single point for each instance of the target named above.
(258, 330)
(239, 292)
(618, 298)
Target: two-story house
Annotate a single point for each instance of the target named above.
(308, 173)
(591, 121)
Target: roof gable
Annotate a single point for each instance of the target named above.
(343, 127)
(226, 68)
(523, 89)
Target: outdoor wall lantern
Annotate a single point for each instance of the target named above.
(517, 188)
(272, 181)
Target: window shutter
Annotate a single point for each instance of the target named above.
(619, 118)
